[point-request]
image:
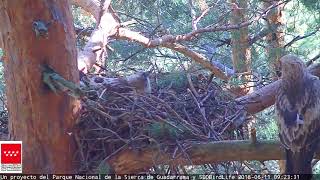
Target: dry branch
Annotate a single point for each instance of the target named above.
(312, 60)
(116, 111)
(198, 58)
(254, 102)
(91, 6)
(107, 21)
(298, 38)
(129, 161)
(129, 35)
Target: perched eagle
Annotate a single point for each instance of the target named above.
(298, 111)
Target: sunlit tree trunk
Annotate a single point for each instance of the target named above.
(41, 119)
(241, 54)
(275, 39)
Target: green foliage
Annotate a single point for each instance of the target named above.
(82, 18)
(174, 80)
(161, 130)
(104, 168)
(305, 21)
(312, 4)
(236, 81)
(267, 125)
(158, 17)
(129, 56)
(166, 131)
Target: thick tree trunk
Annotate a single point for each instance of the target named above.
(241, 54)
(41, 119)
(275, 39)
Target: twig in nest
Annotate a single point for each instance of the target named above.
(193, 90)
(163, 120)
(114, 153)
(77, 139)
(201, 109)
(206, 97)
(93, 106)
(185, 123)
(184, 152)
(111, 131)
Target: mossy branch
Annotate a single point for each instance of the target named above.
(57, 83)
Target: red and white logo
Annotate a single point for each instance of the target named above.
(10, 153)
(11, 157)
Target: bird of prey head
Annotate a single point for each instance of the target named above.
(292, 68)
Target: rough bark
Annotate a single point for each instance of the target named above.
(241, 54)
(275, 39)
(109, 26)
(41, 119)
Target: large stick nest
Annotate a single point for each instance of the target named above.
(113, 121)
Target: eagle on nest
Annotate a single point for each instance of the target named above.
(298, 111)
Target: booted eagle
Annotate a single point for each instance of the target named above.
(298, 111)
